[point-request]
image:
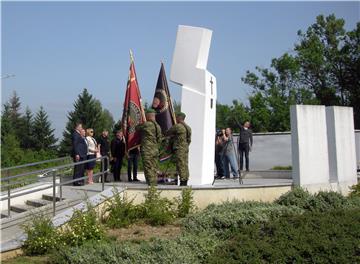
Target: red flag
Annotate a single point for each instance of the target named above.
(133, 113)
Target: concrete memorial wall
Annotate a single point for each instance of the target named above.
(323, 147)
(341, 142)
(310, 157)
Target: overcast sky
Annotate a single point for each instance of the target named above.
(55, 49)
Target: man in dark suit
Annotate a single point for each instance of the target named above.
(79, 153)
(118, 153)
(245, 144)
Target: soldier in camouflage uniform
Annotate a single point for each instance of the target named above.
(180, 136)
(150, 138)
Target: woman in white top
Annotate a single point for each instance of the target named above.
(92, 149)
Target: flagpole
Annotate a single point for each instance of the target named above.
(168, 92)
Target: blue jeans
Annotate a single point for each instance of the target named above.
(230, 158)
(133, 160)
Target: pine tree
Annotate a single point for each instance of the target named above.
(89, 112)
(17, 121)
(27, 138)
(44, 138)
(6, 125)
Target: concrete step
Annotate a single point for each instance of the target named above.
(37, 202)
(20, 208)
(48, 197)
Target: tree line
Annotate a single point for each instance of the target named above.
(322, 68)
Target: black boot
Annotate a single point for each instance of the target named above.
(183, 183)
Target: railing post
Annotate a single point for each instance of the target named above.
(9, 197)
(60, 186)
(54, 193)
(102, 174)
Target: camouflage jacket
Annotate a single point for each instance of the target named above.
(180, 136)
(150, 134)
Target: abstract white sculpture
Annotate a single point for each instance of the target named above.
(198, 98)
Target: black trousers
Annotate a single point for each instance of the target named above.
(79, 172)
(244, 149)
(133, 162)
(219, 165)
(117, 168)
(104, 168)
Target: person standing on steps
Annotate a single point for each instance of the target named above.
(79, 153)
(180, 136)
(104, 146)
(151, 136)
(117, 153)
(245, 144)
(133, 157)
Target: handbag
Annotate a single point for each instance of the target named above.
(98, 155)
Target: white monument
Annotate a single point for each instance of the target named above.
(198, 99)
(310, 159)
(341, 144)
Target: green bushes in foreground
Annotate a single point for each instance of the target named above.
(186, 249)
(43, 237)
(155, 211)
(220, 219)
(296, 228)
(330, 237)
(319, 202)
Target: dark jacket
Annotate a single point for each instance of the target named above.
(117, 148)
(104, 146)
(245, 136)
(79, 146)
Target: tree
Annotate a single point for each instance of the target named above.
(44, 138)
(6, 125)
(323, 69)
(89, 112)
(330, 65)
(27, 133)
(14, 114)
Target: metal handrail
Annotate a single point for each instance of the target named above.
(34, 163)
(102, 159)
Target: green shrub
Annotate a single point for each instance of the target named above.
(184, 249)
(296, 197)
(355, 190)
(320, 202)
(156, 210)
(324, 201)
(121, 212)
(223, 218)
(186, 203)
(42, 237)
(330, 237)
(83, 226)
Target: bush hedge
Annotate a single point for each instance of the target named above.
(220, 219)
(188, 248)
(330, 237)
(320, 202)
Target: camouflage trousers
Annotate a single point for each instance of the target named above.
(182, 163)
(150, 167)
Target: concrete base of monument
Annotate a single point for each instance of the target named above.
(341, 187)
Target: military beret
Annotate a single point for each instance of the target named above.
(181, 114)
(150, 111)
